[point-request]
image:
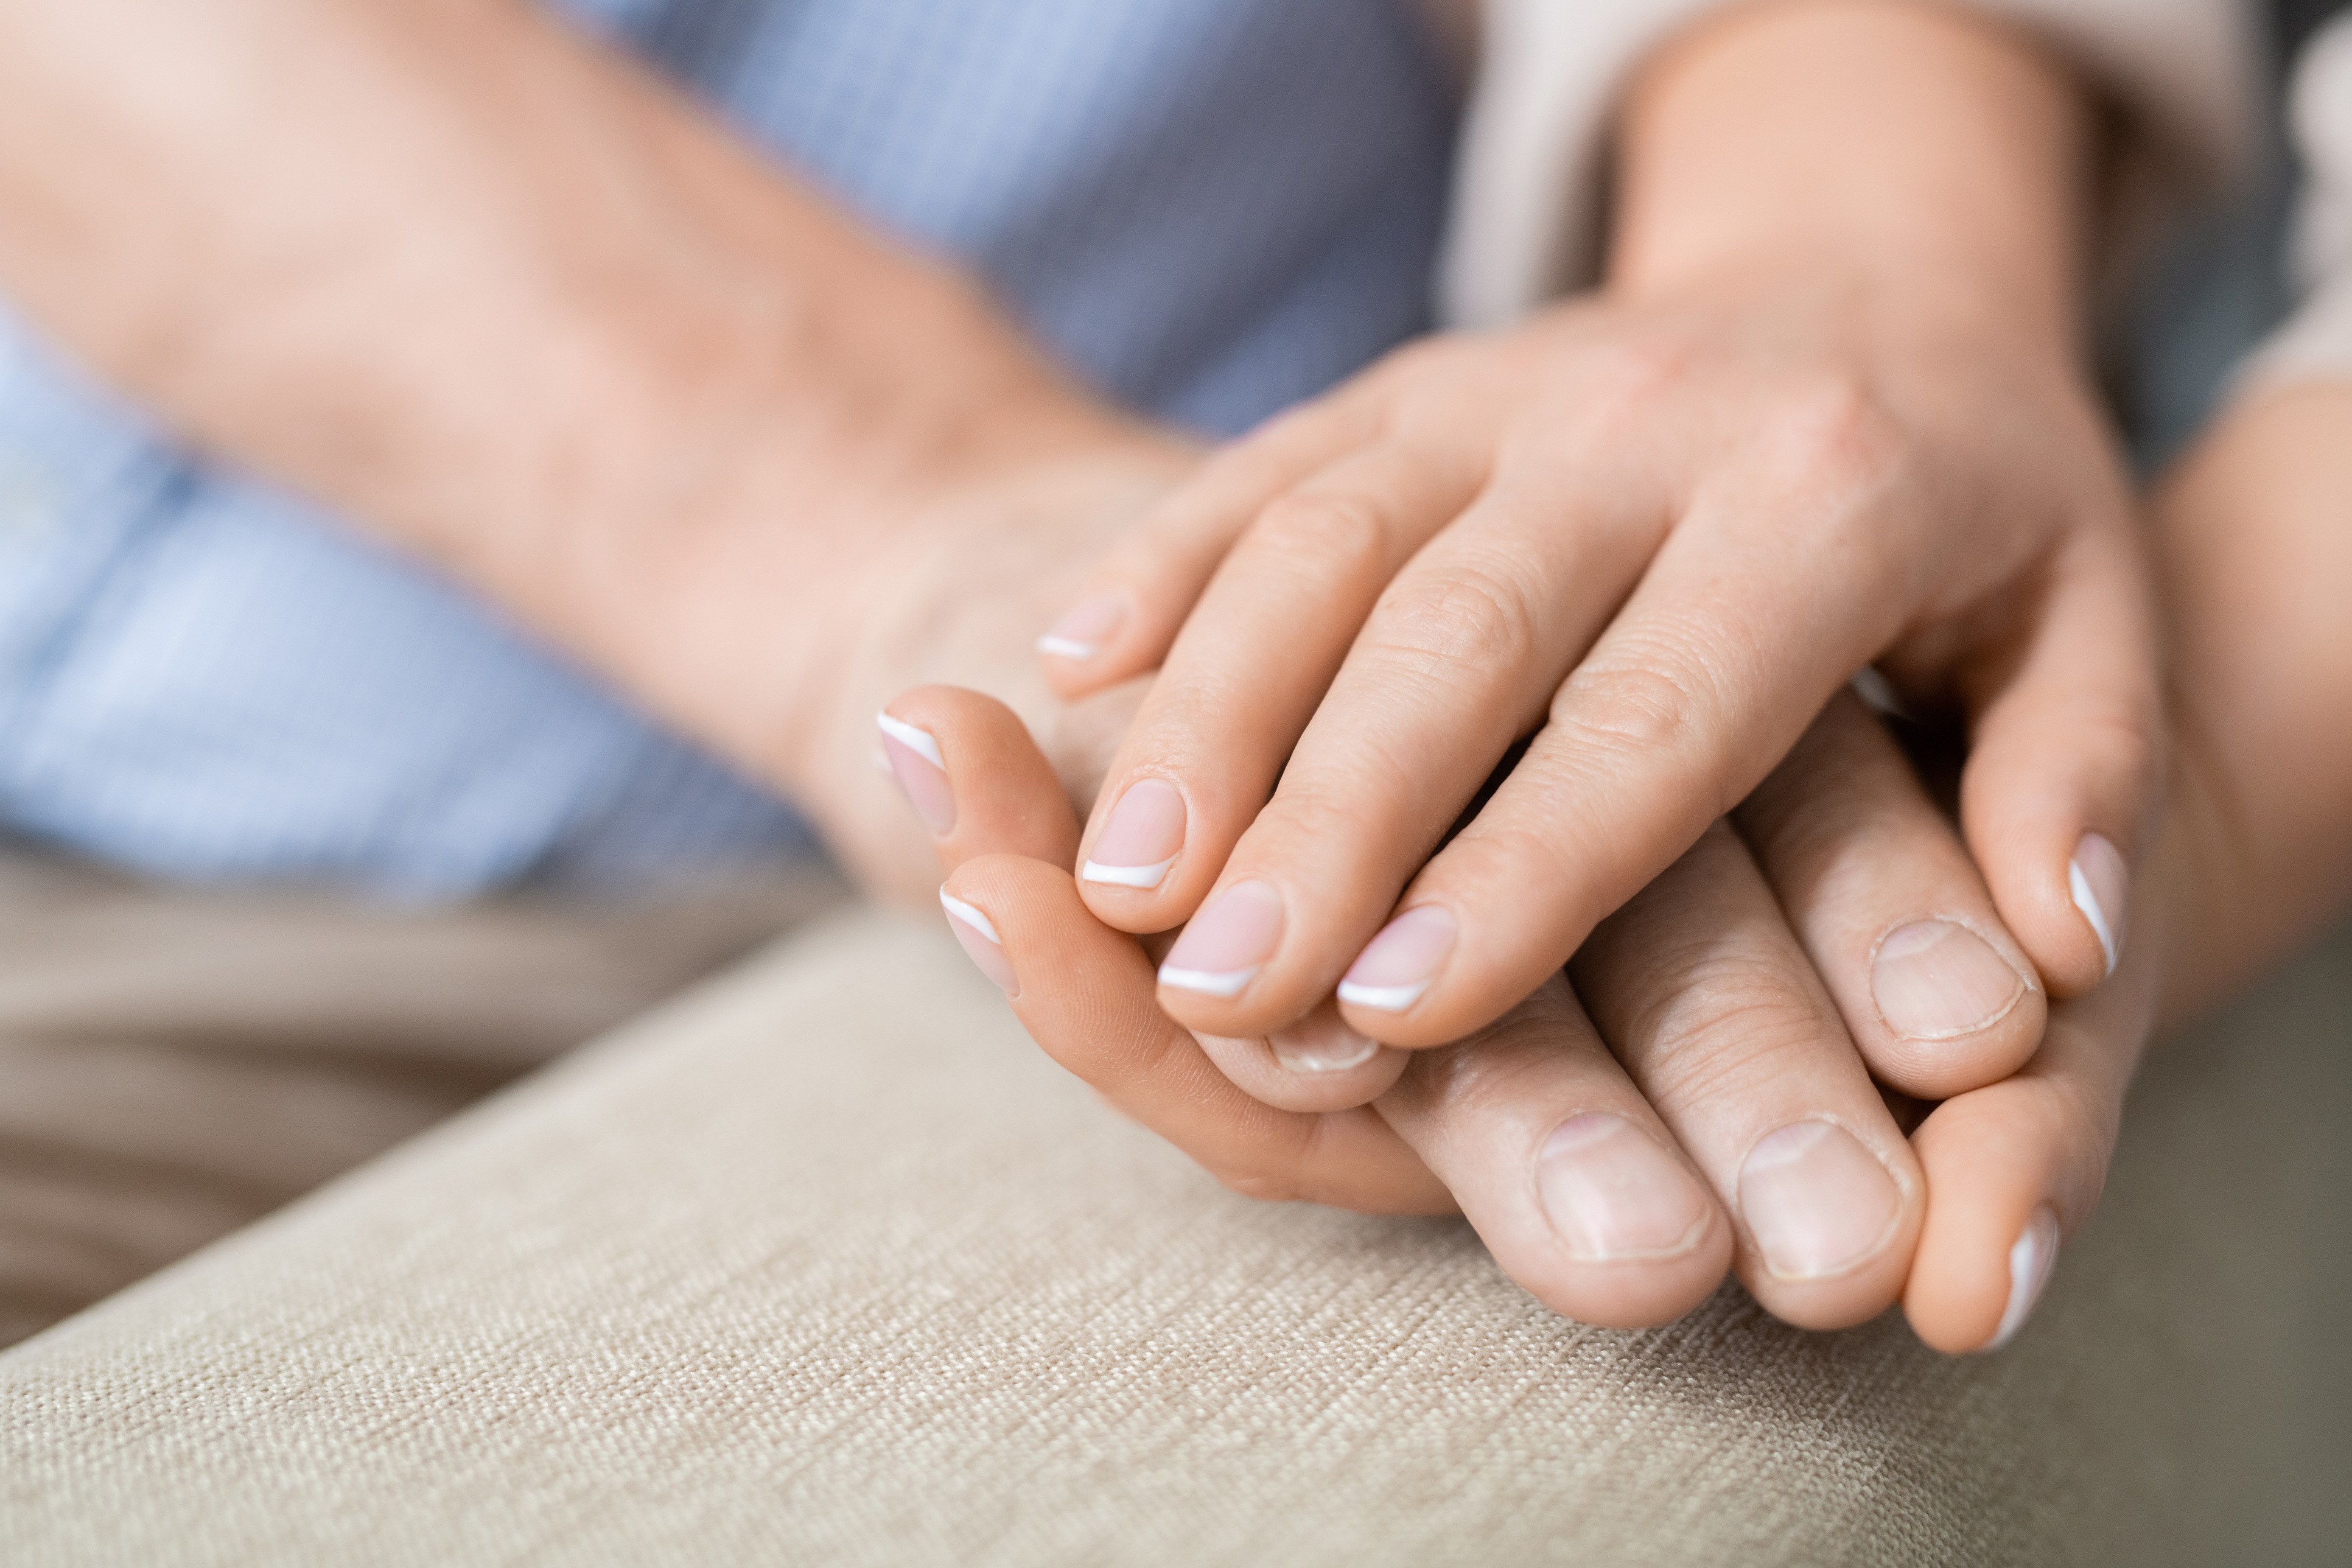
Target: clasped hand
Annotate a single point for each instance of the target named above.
(1651, 543)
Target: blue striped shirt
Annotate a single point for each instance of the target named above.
(1206, 208)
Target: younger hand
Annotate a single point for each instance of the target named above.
(1650, 540)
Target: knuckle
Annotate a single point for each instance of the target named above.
(1628, 707)
(1623, 388)
(1721, 1026)
(1323, 531)
(1313, 813)
(1635, 369)
(2133, 741)
(1470, 617)
(1835, 434)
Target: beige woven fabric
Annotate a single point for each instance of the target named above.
(825, 1263)
(174, 1064)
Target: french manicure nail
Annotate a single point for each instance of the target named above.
(976, 935)
(1142, 840)
(1612, 1194)
(1322, 1042)
(2031, 1260)
(914, 759)
(2101, 884)
(1227, 942)
(1816, 1200)
(1936, 979)
(1082, 633)
(1397, 965)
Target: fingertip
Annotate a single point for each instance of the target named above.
(1622, 1232)
(1999, 1168)
(982, 784)
(1317, 1064)
(1112, 633)
(1957, 1006)
(2056, 847)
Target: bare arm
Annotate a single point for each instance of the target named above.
(2257, 562)
(502, 297)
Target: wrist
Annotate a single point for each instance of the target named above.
(768, 515)
(1922, 157)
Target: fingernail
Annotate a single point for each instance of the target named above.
(1934, 979)
(2031, 1260)
(1226, 943)
(2101, 884)
(914, 758)
(1612, 1194)
(1397, 965)
(1322, 1042)
(1082, 633)
(1140, 840)
(979, 938)
(1816, 1201)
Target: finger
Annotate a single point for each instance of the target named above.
(1315, 1064)
(1085, 993)
(1746, 622)
(1248, 671)
(1936, 993)
(2015, 1168)
(976, 777)
(1452, 667)
(1127, 613)
(2063, 782)
(1704, 993)
(1570, 1177)
(1003, 799)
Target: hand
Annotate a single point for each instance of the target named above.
(1736, 1122)
(948, 583)
(2255, 856)
(1650, 532)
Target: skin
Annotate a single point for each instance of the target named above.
(1806, 426)
(1694, 1000)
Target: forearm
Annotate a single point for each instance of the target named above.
(2256, 563)
(489, 291)
(1920, 153)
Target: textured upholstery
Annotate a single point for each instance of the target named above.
(825, 1263)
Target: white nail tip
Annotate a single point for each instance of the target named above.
(2088, 902)
(970, 916)
(1300, 1061)
(1207, 982)
(915, 741)
(1125, 875)
(2031, 1261)
(1383, 998)
(1067, 647)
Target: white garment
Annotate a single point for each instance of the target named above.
(2317, 344)
(1527, 200)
